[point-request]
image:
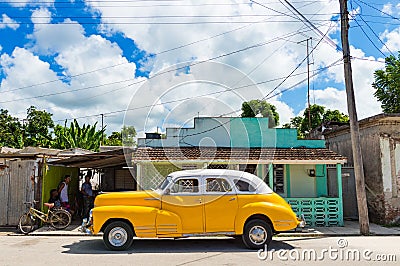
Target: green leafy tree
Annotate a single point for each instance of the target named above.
(318, 116)
(295, 122)
(11, 132)
(335, 116)
(124, 138)
(387, 85)
(128, 136)
(258, 107)
(115, 139)
(76, 136)
(38, 128)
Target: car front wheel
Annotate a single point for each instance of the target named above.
(256, 234)
(118, 235)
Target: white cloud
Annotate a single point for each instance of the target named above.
(75, 51)
(363, 76)
(75, 54)
(41, 15)
(391, 39)
(277, 58)
(23, 3)
(6, 21)
(387, 8)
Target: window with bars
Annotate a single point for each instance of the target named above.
(279, 180)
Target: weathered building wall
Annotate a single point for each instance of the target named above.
(17, 184)
(379, 140)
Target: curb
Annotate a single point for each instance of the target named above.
(58, 234)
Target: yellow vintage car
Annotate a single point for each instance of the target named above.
(193, 203)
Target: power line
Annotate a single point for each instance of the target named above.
(156, 75)
(380, 11)
(308, 22)
(320, 70)
(322, 38)
(159, 16)
(165, 23)
(69, 4)
(366, 35)
(368, 59)
(159, 53)
(376, 35)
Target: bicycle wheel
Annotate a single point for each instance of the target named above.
(26, 223)
(60, 219)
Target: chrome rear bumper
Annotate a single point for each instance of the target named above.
(86, 224)
(302, 221)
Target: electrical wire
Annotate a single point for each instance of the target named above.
(370, 40)
(320, 70)
(155, 54)
(380, 11)
(156, 75)
(376, 35)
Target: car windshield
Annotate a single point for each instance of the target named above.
(164, 183)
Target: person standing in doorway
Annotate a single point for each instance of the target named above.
(63, 193)
(87, 193)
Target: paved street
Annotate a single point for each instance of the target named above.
(58, 250)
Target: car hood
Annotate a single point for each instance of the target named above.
(134, 198)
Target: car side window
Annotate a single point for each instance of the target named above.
(185, 185)
(244, 186)
(217, 185)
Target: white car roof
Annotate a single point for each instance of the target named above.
(259, 184)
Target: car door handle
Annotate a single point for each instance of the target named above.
(199, 200)
(231, 199)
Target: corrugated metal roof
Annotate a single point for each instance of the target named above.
(122, 156)
(265, 155)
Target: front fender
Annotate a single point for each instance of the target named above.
(281, 216)
(142, 218)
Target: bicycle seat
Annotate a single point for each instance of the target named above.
(50, 205)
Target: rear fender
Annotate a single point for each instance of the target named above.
(282, 217)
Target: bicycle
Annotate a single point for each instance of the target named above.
(57, 218)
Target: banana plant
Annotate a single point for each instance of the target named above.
(76, 136)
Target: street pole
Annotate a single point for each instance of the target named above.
(354, 129)
(102, 126)
(308, 84)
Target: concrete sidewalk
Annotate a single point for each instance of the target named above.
(350, 228)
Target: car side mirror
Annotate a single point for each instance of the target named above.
(167, 191)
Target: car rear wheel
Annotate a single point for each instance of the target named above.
(256, 234)
(118, 235)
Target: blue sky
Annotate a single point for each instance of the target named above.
(81, 59)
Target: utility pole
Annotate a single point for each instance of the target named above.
(308, 84)
(102, 126)
(354, 129)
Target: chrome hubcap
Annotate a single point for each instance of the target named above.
(118, 236)
(257, 235)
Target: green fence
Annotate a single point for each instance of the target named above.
(318, 211)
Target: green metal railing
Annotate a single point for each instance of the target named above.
(318, 211)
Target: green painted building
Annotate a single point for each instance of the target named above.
(296, 169)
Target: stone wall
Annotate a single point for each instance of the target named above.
(380, 141)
